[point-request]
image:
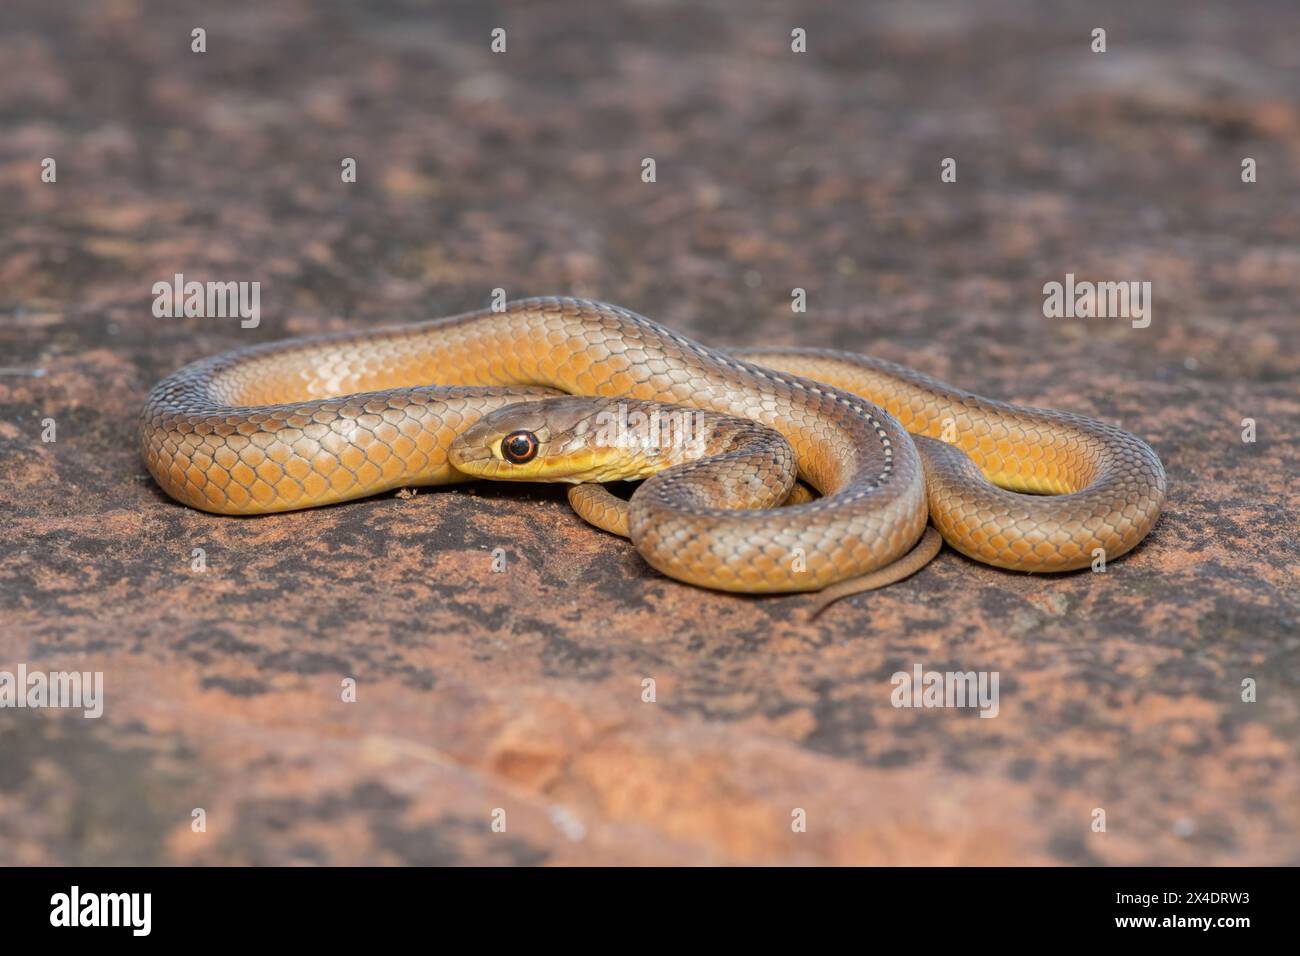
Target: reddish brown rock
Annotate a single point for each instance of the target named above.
(522, 691)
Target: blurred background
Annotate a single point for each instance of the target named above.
(522, 170)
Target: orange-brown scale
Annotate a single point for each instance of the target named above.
(1094, 487)
(331, 418)
(313, 421)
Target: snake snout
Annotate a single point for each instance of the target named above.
(471, 450)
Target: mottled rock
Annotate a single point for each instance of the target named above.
(522, 691)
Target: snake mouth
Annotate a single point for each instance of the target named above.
(577, 466)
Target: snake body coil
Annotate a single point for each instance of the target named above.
(325, 419)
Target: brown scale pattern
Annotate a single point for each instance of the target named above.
(268, 458)
(1095, 486)
(335, 409)
(325, 419)
(696, 463)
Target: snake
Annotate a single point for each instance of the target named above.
(812, 469)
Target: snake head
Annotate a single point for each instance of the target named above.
(567, 439)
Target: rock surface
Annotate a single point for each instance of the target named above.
(522, 691)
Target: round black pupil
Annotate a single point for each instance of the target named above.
(519, 446)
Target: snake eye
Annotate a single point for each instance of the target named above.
(519, 447)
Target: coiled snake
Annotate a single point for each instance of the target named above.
(324, 419)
